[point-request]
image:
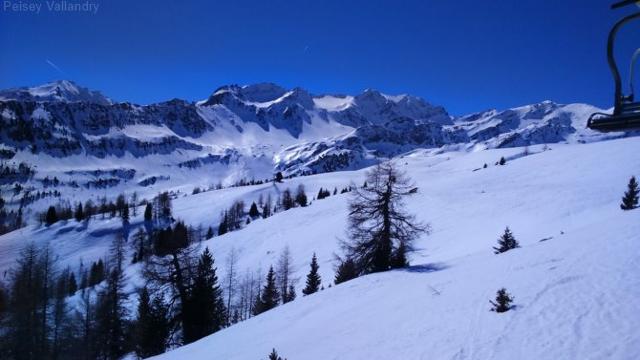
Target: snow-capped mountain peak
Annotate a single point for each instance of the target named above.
(60, 91)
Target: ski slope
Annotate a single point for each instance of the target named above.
(577, 293)
(574, 279)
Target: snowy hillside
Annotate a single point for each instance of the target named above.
(574, 282)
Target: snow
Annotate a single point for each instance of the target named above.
(577, 293)
(266, 104)
(62, 90)
(395, 98)
(333, 103)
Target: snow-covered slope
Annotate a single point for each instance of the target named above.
(545, 122)
(574, 278)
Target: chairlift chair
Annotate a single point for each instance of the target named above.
(626, 111)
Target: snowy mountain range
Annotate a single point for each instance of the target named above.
(290, 130)
(87, 141)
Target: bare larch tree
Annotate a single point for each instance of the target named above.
(380, 231)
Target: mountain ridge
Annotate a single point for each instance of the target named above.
(291, 130)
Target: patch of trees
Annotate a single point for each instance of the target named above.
(62, 211)
(121, 207)
(29, 197)
(333, 162)
(101, 183)
(38, 322)
(47, 182)
(195, 304)
(232, 218)
(9, 219)
(11, 172)
(7, 154)
(323, 193)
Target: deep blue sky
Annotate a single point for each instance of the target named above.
(465, 55)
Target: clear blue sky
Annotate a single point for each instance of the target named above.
(465, 55)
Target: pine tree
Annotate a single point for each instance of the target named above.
(279, 177)
(301, 196)
(73, 284)
(274, 355)
(206, 310)
(79, 213)
(253, 210)
(287, 200)
(51, 216)
(506, 242)
(269, 296)
(96, 273)
(378, 224)
(630, 199)
(502, 161)
(503, 301)
(125, 215)
(223, 228)
(152, 325)
(148, 213)
(209, 233)
(346, 271)
(323, 193)
(266, 207)
(140, 243)
(313, 278)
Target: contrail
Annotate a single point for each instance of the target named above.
(55, 67)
